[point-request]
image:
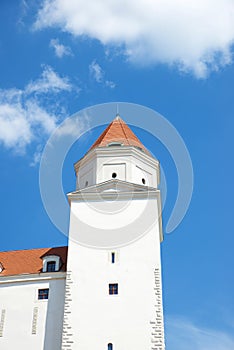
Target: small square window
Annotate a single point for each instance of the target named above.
(50, 267)
(43, 293)
(113, 288)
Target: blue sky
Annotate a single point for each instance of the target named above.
(175, 57)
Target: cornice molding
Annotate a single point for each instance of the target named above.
(114, 190)
(44, 276)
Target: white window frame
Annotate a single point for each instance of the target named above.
(49, 258)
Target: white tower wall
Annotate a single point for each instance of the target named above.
(133, 319)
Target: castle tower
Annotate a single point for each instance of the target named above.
(113, 292)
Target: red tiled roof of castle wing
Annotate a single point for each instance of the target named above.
(29, 261)
(118, 131)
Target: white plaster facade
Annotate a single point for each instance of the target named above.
(26, 322)
(129, 163)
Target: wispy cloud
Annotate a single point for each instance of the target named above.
(96, 71)
(36, 156)
(195, 36)
(183, 334)
(98, 74)
(50, 82)
(24, 117)
(23, 10)
(60, 49)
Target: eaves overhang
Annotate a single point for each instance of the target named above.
(28, 277)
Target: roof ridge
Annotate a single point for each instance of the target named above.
(30, 249)
(103, 134)
(120, 120)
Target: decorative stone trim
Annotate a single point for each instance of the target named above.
(2, 321)
(67, 336)
(157, 326)
(34, 320)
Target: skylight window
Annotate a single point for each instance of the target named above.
(111, 144)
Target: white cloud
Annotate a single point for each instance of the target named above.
(96, 71)
(98, 75)
(49, 81)
(37, 156)
(23, 116)
(70, 127)
(110, 84)
(194, 35)
(60, 49)
(15, 128)
(23, 11)
(184, 335)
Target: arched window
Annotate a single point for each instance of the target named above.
(51, 263)
(110, 346)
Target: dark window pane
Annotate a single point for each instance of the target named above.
(51, 266)
(113, 258)
(110, 346)
(43, 293)
(113, 288)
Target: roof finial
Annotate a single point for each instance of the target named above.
(117, 110)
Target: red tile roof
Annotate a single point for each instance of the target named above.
(118, 131)
(19, 262)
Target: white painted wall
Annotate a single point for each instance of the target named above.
(19, 297)
(130, 167)
(97, 318)
(129, 163)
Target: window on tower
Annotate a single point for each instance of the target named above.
(110, 346)
(113, 288)
(113, 257)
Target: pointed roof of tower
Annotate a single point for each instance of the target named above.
(118, 132)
